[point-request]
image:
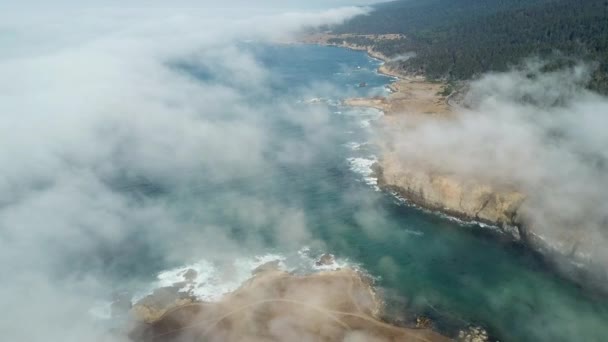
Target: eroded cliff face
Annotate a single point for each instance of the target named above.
(561, 243)
(464, 198)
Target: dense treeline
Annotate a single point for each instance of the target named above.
(457, 39)
(406, 16)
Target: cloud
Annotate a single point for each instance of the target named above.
(539, 132)
(100, 114)
(233, 5)
(403, 57)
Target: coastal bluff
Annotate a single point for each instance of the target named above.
(569, 252)
(275, 305)
(510, 206)
(463, 198)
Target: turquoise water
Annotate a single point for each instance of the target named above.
(458, 274)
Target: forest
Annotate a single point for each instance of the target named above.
(459, 39)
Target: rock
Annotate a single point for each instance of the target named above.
(326, 260)
(154, 306)
(467, 199)
(190, 275)
(276, 306)
(570, 252)
(423, 323)
(267, 267)
(473, 334)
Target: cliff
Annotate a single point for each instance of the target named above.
(565, 248)
(464, 198)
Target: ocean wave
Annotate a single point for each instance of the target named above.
(366, 123)
(365, 116)
(465, 223)
(363, 167)
(209, 281)
(355, 146)
(212, 281)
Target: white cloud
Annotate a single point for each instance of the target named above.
(541, 133)
(89, 99)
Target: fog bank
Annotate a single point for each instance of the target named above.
(538, 132)
(98, 116)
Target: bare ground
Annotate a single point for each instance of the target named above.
(276, 306)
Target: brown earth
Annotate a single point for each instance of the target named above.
(469, 199)
(410, 95)
(277, 306)
(414, 98)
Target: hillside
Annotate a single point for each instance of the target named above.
(458, 39)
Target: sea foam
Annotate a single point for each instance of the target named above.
(363, 167)
(212, 280)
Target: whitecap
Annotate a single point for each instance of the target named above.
(355, 146)
(211, 280)
(363, 166)
(214, 280)
(365, 123)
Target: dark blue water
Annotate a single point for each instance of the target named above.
(313, 191)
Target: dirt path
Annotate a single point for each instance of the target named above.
(328, 305)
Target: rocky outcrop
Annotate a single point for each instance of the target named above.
(562, 246)
(466, 199)
(162, 300)
(165, 299)
(326, 260)
(278, 306)
(473, 334)
(408, 95)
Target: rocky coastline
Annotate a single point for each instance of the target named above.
(500, 209)
(338, 305)
(467, 199)
(329, 39)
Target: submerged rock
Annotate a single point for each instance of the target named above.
(424, 323)
(473, 334)
(326, 260)
(190, 275)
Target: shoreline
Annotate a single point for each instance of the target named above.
(323, 39)
(274, 293)
(566, 267)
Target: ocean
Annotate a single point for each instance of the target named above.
(316, 194)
